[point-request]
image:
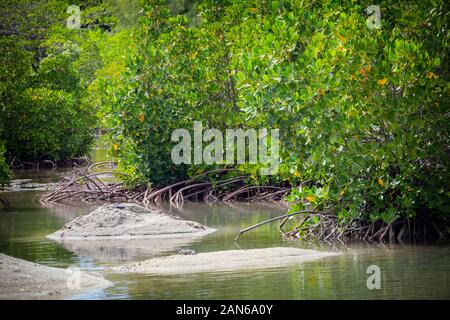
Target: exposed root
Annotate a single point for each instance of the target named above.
(271, 220)
(325, 226)
(212, 186)
(247, 189)
(89, 187)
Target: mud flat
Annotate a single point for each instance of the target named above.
(20, 279)
(228, 260)
(128, 221)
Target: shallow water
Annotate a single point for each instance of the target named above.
(407, 271)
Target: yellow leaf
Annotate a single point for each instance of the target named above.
(115, 147)
(341, 193)
(382, 82)
(431, 75)
(141, 117)
(310, 198)
(365, 69)
(296, 173)
(342, 38)
(381, 182)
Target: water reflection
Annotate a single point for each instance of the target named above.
(119, 251)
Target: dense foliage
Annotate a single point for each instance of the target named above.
(42, 117)
(47, 108)
(180, 74)
(363, 113)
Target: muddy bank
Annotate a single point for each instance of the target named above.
(128, 221)
(227, 260)
(20, 279)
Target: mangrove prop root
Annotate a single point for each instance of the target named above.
(247, 189)
(272, 220)
(86, 185)
(315, 225)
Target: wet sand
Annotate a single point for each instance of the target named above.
(228, 260)
(20, 279)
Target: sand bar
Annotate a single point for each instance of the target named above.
(228, 260)
(20, 279)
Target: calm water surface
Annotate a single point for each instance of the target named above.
(407, 271)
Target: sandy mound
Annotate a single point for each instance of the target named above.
(128, 221)
(227, 260)
(20, 279)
